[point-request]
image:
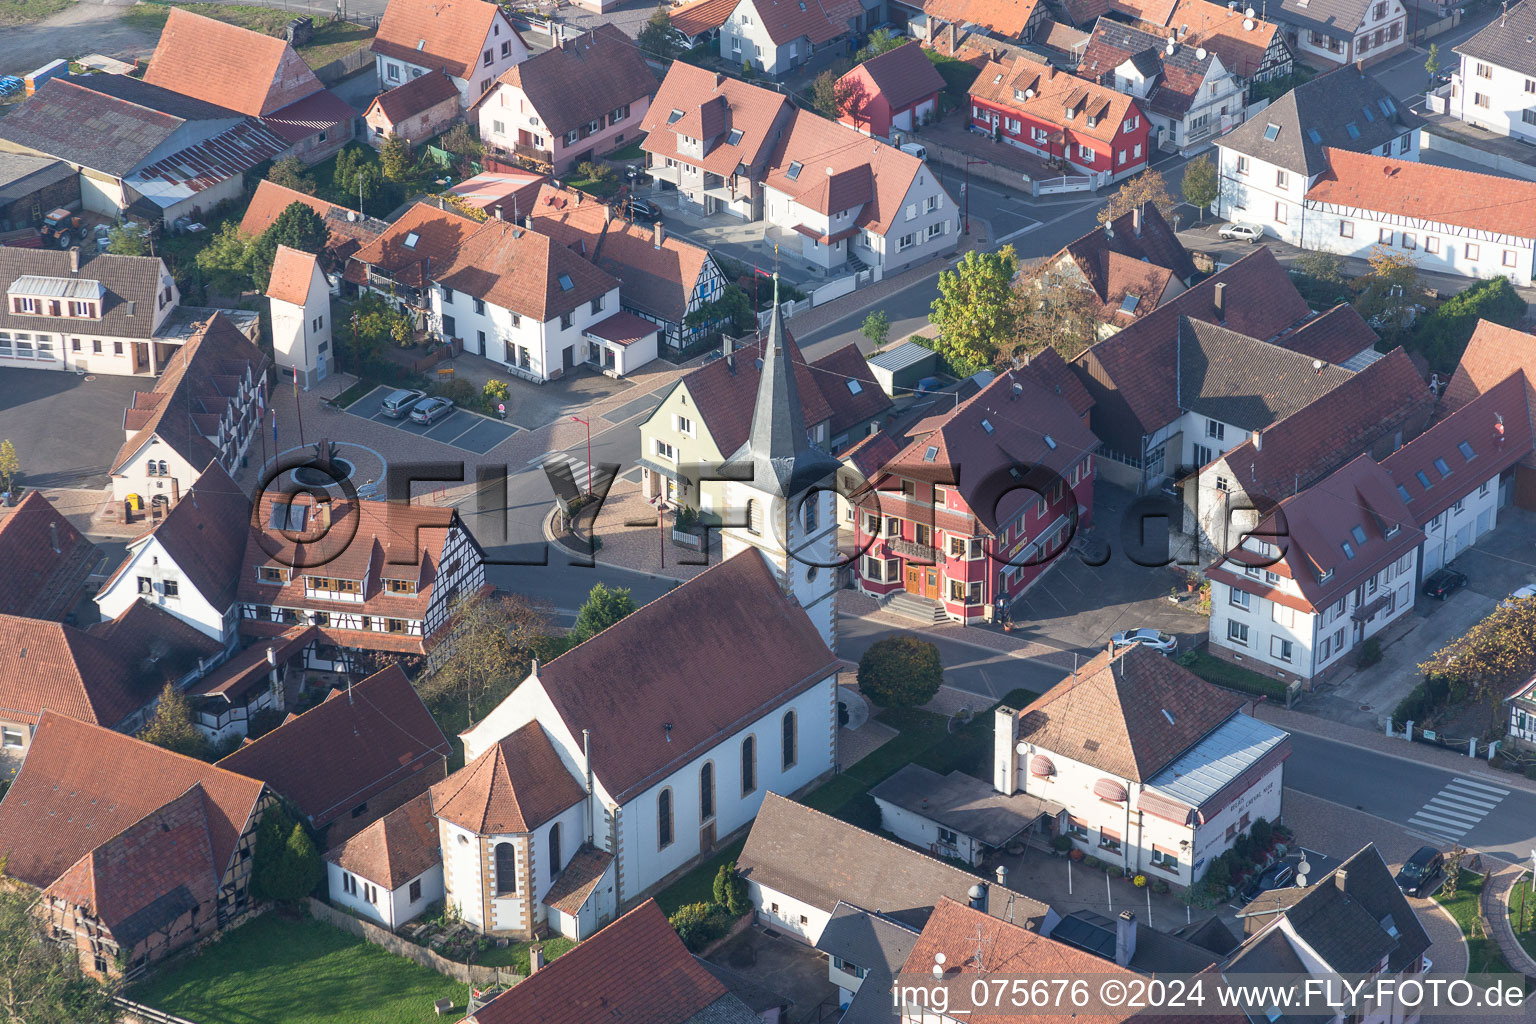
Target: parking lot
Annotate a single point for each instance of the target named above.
(460, 429)
(66, 428)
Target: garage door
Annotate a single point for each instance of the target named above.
(1431, 558)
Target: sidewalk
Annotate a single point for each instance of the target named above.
(1496, 910)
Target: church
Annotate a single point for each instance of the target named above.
(628, 758)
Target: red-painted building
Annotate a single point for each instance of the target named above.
(982, 499)
(1059, 116)
(897, 90)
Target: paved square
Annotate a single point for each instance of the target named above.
(67, 429)
(643, 404)
(460, 429)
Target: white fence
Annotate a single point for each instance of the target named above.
(834, 289)
(1065, 183)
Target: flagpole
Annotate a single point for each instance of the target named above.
(261, 423)
(297, 407)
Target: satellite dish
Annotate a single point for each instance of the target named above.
(1029, 94)
(1247, 24)
(1301, 871)
(1170, 46)
(1249, 13)
(1200, 53)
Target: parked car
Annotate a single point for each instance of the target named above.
(1165, 643)
(1276, 876)
(430, 410)
(398, 403)
(1442, 583)
(644, 209)
(1241, 231)
(1421, 873)
(1529, 590)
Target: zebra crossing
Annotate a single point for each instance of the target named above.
(554, 461)
(1454, 811)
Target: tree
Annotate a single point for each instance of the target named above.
(297, 227)
(172, 726)
(1442, 336)
(290, 172)
(1201, 187)
(605, 606)
(287, 867)
(731, 890)
(657, 37)
(731, 312)
(487, 649)
(877, 328)
(127, 240)
(40, 980)
(461, 142)
(1057, 309)
(1389, 291)
(830, 95)
(1486, 661)
(226, 260)
(1146, 187)
(377, 326)
(1432, 62)
(976, 310)
(396, 158)
(358, 173)
(881, 40)
(901, 671)
(10, 463)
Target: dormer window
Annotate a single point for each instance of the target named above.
(1325, 576)
(272, 574)
(734, 138)
(27, 305)
(406, 587)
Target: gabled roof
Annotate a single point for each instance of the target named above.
(205, 535)
(44, 560)
(351, 747)
(1011, 422)
(636, 970)
(722, 391)
(82, 784)
(346, 230)
(420, 94)
(736, 105)
(228, 65)
(1425, 192)
(702, 16)
(1336, 335)
(1348, 526)
(1243, 381)
(395, 849)
(1010, 84)
(1144, 251)
(67, 120)
(1339, 19)
(1240, 41)
(524, 271)
(440, 34)
(836, 168)
(1325, 107)
(1475, 443)
(1506, 41)
(878, 945)
(1182, 72)
(1153, 12)
(821, 21)
(610, 68)
(293, 271)
(50, 666)
(141, 880)
(1492, 354)
(903, 75)
(817, 859)
(1047, 369)
(193, 393)
(154, 645)
(704, 691)
(1114, 712)
(516, 786)
(852, 392)
(1386, 399)
(1005, 18)
(131, 286)
(423, 237)
(656, 280)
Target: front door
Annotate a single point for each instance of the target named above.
(570, 356)
(707, 837)
(931, 583)
(923, 580)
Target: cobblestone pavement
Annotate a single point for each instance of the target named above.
(1496, 909)
(852, 602)
(631, 539)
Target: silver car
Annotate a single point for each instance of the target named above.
(430, 410)
(1163, 643)
(1243, 232)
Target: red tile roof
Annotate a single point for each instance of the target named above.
(346, 229)
(319, 111)
(1155, 12)
(81, 784)
(1051, 372)
(819, 20)
(1002, 83)
(1493, 353)
(249, 670)
(705, 691)
(1335, 336)
(417, 96)
(1005, 18)
(842, 169)
(851, 391)
(1153, 245)
(578, 880)
(437, 235)
(444, 34)
(349, 749)
(612, 71)
(624, 329)
(1425, 192)
(1113, 713)
(1223, 31)
(514, 787)
(510, 266)
(702, 16)
(44, 560)
(292, 273)
(232, 66)
(636, 970)
(905, 75)
(754, 111)
(395, 849)
(723, 390)
(47, 665)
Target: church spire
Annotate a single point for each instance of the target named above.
(784, 460)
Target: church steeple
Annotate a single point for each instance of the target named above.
(784, 461)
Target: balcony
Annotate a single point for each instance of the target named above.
(534, 153)
(919, 552)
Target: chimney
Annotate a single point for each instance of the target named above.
(323, 513)
(498, 211)
(607, 214)
(1136, 221)
(954, 39)
(1005, 737)
(660, 236)
(176, 491)
(719, 80)
(1341, 881)
(1125, 937)
(74, 259)
(1219, 300)
(1258, 440)
(1002, 876)
(535, 959)
(53, 536)
(978, 896)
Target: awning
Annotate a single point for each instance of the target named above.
(670, 472)
(1109, 789)
(1109, 833)
(622, 329)
(1041, 766)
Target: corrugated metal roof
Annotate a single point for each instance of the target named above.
(1229, 750)
(57, 287)
(189, 171)
(900, 357)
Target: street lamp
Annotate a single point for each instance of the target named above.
(966, 191)
(588, 425)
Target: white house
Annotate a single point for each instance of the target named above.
(390, 871)
(1267, 165)
(1495, 86)
(1158, 771)
(207, 405)
(836, 197)
(471, 41)
(1446, 220)
(1344, 31)
(777, 36)
(189, 564)
(520, 299)
(299, 297)
(1324, 571)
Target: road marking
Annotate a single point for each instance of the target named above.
(578, 470)
(1458, 808)
(1469, 784)
(1441, 814)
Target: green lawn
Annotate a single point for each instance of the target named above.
(515, 956)
(1223, 673)
(279, 971)
(1484, 956)
(332, 39)
(629, 153)
(25, 12)
(1522, 915)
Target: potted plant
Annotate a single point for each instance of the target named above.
(1077, 854)
(1062, 845)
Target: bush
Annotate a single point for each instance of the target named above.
(1140, 881)
(1263, 834)
(1160, 885)
(1091, 861)
(1415, 707)
(460, 392)
(1442, 336)
(699, 924)
(731, 890)
(496, 391)
(900, 671)
(1370, 651)
(1061, 844)
(1219, 873)
(1116, 872)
